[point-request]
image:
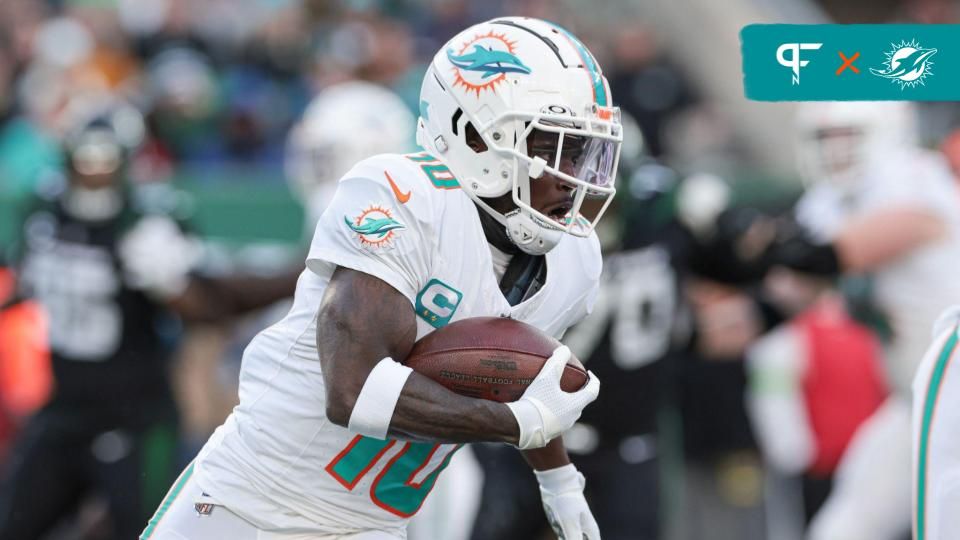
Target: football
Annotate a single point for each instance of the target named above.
(490, 358)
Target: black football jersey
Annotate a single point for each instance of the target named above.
(109, 342)
(634, 327)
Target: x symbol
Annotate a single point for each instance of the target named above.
(848, 62)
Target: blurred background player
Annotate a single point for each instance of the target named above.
(860, 216)
(343, 124)
(906, 233)
(812, 382)
(109, 269)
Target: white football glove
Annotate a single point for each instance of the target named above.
(157, 257)
(544, 411)
(562, 492)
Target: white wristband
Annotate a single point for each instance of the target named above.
(561, 480)
(378, 398)
(530, 422)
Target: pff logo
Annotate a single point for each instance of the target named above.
(794, 62)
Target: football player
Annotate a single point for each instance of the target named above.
(879, 205)
(107, 267)
(334, 438)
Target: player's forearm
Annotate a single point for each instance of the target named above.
(885, 236)
(427, 410)
(209, 299)
(363, 320)
(861, 246)
(551, 456)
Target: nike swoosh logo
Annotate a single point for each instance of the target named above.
(402, 197)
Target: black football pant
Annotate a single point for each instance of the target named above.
(60, 459)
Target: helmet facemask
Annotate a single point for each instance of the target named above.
(837, 155)
(838, 141)
(99, 142)
(96, 161)
(97, 155)
(581, 152)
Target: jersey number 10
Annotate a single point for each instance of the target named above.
(404, 482)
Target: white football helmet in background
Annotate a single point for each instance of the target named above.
(495, 85)
(839, 138)
(344, 124)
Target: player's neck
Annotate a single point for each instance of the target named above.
(496, 233)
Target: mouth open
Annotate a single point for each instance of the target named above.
(560, 212)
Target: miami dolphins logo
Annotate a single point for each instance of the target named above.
(375, 226)
(907, 64)
(484, 61)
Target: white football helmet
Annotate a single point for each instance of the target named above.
(502, 84)
(838, 139)
(103, 134)
(345, 123)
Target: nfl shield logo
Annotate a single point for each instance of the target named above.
(203, 509)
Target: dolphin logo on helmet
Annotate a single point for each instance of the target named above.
(488, 61)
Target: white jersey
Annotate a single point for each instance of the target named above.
(936, 434)
(278, 461)
(914, 289)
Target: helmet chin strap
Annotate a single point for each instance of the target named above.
(529, 235)
(524, 231)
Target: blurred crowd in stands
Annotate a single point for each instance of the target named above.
(221, 83)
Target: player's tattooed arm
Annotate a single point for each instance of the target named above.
(362, 320)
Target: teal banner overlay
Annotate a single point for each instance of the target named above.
(869, 62)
